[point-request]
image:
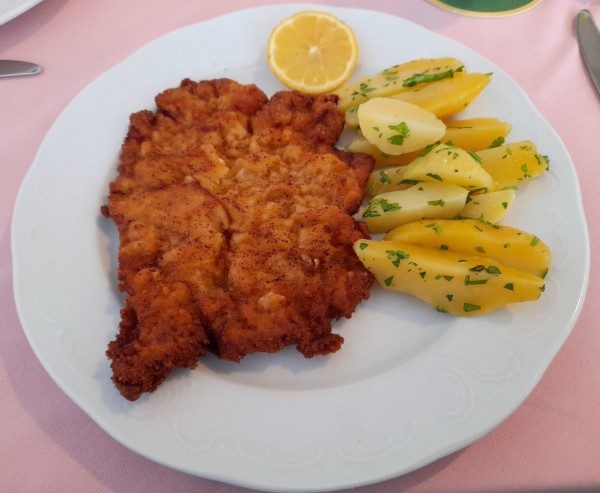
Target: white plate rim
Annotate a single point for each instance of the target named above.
(16, 10)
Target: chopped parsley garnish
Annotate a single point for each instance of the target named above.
(362, 246)
(510, 286)
(469, 282)
(543, 160)
(497, 142)
(475, 156)
(397, 255)
(408, 182)
(388, 281)
(436, 203)
(415, 79)
(437, 228)
(370, 210)
(385, 205)
(435, 176)
(427, 149)
(364, 89)
(468, 307)
(403, 133)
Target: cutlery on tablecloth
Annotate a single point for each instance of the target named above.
(14, 68)
(589, 44)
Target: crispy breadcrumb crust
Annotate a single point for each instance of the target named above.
(234, 214)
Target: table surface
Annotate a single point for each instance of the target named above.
(552, 441)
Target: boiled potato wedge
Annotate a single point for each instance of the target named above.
(513, 164)
(476, 134)
(397, 127)
(401, 77)
(387, 180)
(449, 164)
(351, 118)
(490, 207)
(424, 200)
(447, 97)
(444, 98)
(449, 281)
(446, 164)
(361, 144)
(509, 246)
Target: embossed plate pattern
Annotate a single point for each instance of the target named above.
(410, 385)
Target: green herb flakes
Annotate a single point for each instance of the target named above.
(497, 142)
(415, 79)
(397, 256)
(403, 133)
(436, 203)
(435, 176)
(475, 156)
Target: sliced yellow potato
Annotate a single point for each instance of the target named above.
(490, 207)
(397, 78)
(510, 246)
(445, 164)
(448, 164)
(444, 98)
(476, 134)
(396, 127)
(387, 180)
(449, 281)
(513, 164)
(361, 144)
(424, 200)
(447, 97)
(351, 117)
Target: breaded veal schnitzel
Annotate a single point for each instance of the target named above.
(234, 216)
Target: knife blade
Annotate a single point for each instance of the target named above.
(588, 38)
(15, 68)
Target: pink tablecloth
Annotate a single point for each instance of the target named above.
(48, 444)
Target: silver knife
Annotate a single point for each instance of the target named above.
(589, 44)
(14, 68)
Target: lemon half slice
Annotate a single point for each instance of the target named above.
(312, 52)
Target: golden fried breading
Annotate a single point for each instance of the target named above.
(236, 237)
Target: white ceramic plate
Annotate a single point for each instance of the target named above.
(9, 9)
(410, 385)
